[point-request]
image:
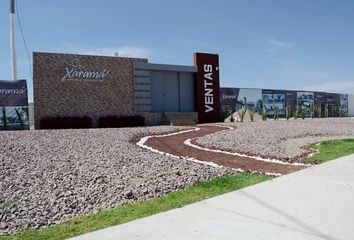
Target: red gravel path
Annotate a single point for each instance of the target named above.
(175, 145)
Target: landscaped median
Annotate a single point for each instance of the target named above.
(199, 191)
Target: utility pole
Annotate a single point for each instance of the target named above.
(13, 41)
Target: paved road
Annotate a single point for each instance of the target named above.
(315, 203)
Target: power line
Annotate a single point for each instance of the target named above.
(23, 39)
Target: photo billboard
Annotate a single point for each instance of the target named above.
(344, 105)
(272, 100)
(250, 98)
(330, 104)
(304, 101)
(236, 98)
(13, 105)
(229, 98)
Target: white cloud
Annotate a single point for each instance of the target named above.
(123, 51)
(336, 87)
(280, 44)
(274, 45)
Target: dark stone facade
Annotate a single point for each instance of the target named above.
(67, 85)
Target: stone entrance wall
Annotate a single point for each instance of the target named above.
(67, 85)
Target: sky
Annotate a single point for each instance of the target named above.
(281, 44)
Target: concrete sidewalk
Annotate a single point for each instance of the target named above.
(315, 203)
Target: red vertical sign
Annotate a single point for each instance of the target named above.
(207, 87)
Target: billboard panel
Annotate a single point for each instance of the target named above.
(250, 98)
(344, 105)
(331, 104)
(229, 98)
(351, 105)
(304, 101)
(272, 100)
(236, 98)
(13, 105)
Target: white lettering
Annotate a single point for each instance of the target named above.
(74, 74)
(209, 100)
(208, 92)
(208, 68)
(208, 108)
(208, 76)
(11, 91)
(208, 88)
(207, 84)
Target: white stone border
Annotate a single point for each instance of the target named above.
(142, 144)
(188, 143)
(258, 158)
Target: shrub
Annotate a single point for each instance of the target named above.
(242, 112)
(124, 121)
(336, 111)
(287, 112)
(251, 113)
(297, 111)
(319, 111)
(312, 109)
(264, 113)
(326, 110)
(65, 122)
(276, 113)
(225, 113)
(232, 119)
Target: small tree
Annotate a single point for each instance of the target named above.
(297, 111)
(232, 119)
(242, 112)
(319, 111)
(312, 109)
(264, 113)
(251, 113)
(225, 113)
(287, 111)
(326, 110)
(276, 113)
(336, 111)
(340, 111)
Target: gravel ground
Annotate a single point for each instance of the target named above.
(281, 139)
(49, 176)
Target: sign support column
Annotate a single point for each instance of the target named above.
(13, 41)
(207, 85)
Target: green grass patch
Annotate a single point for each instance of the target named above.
(330, 150)
(200, 191)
